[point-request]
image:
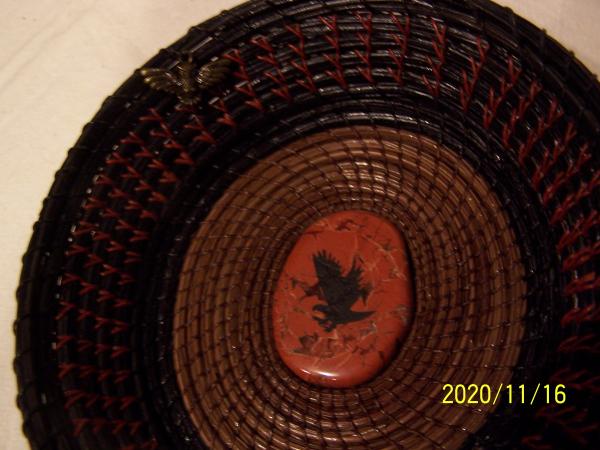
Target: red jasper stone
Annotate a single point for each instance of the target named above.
(343, 300)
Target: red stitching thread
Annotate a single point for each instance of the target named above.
(401, 41)
(578, 230)
(366, 21)
(74, 396)
(544, 124)
(507, 83)
(580, 257)
(585, 189)
(85, 345)
(226, 118)
(97, 424)
(570, 419)
(333, 38)
(589, 313)
(246, 86)
(308, 82)
(582, 380)
(563, 177)
(203, 134)
(518, 112)
(580, 343)
(275, 75)
(587, 282)
(551, 157)
(468, 86)
(439, 47)
(88, 370)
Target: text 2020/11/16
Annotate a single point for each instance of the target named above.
(485, 394)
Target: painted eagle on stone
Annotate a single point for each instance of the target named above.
(339, 292)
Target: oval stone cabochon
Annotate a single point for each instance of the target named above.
(343, 301)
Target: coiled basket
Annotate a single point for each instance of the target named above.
(147, 316)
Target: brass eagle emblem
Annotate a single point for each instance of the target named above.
(188, 81)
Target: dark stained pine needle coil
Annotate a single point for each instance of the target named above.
(145, 300)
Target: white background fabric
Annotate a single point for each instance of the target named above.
(60, 58)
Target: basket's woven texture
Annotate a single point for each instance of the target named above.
(145, 298)
(469, 296)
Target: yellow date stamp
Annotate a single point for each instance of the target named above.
(484, 394)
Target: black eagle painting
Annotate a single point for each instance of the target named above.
(339, 292)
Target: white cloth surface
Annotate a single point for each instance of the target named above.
(60, 58)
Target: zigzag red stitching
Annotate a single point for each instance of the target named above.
(203, 134)
(402, 43)
(576, 315)
(242, 74)
(580, 343)
(90, 399)
(131, 173)
(367, 23)
(275, 75)
(578, 230)
(94, 259)
(585, 189)
(563, 177)
(439, 47)
(569, 419)
(97, 424)
(118, 326)
(582, 380)
(544, 124)
(131, 205)
(550, 158)
(308, 82)
(507, 83)
(518, 113)
(85, 345)
(333, 38)
(580, 257)
(587, 282)
(87, 370)
(88, 228)
(226, 118)
(468, 86)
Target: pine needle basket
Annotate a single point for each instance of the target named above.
(146, 291)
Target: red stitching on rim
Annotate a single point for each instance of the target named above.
(246, 86)
(333, 38)
(578, 230)
(226, 118)
(563, 177)
(439, 47)
(275, 74)
(585, 190)
(582, 380)
(568, 419)
(366, 21)
(536, 134)
(507, 83)
(401, 41)
(587, 282)
(550, 158)
(97, 424)
(308, 82)
(468, 86)
(519, 111)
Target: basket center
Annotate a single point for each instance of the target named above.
(343, 300)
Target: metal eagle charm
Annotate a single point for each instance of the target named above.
(187, 81)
